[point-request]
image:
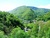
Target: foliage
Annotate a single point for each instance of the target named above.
(46, 16)
(36, 21)
(2, 35)
(18, 33)
(8, 22)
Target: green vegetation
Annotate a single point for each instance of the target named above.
(25, 23)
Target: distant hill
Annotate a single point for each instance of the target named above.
(30, 12)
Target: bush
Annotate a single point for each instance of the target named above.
(2, 35)
(18, 33)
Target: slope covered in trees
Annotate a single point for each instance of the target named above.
(29, 12)
(25, 22)
(8, 22)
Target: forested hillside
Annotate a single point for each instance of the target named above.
(25, 22)
(29, 13)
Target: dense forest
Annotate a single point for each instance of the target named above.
(25, 22)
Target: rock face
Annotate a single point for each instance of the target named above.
(26, 29)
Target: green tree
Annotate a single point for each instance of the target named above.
(9, 21)
(18, 33)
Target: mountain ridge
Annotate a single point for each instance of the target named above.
(32, 7)
(22, 10)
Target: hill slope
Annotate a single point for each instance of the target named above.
(28, 12)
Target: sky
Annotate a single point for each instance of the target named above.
(7, 5)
